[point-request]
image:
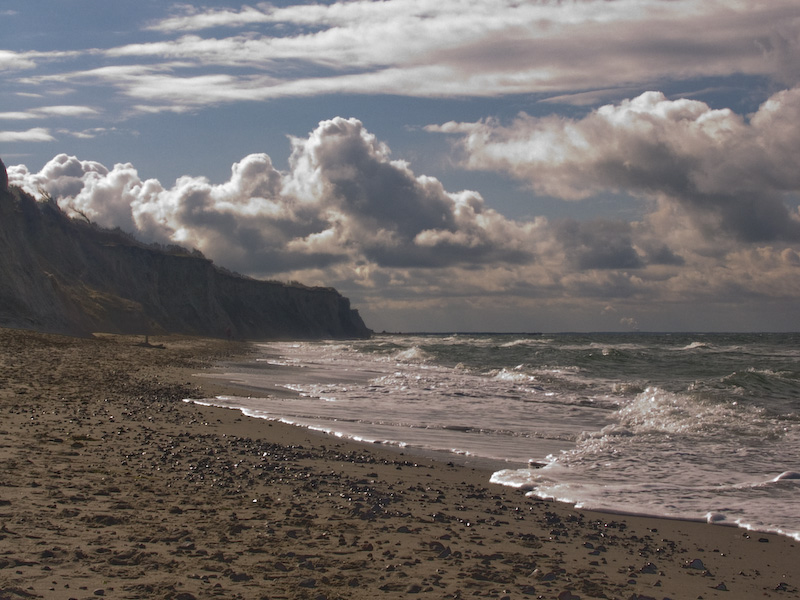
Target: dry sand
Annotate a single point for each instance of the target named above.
(111, 486)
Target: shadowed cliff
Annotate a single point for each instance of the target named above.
(69, 276)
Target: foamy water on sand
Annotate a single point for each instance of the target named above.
(690, 426)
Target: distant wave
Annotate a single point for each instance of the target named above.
(697, 346)
(759, 381)
(526, 342)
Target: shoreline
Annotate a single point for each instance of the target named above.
(488, 465)
(111, 485)
(481, 464)
(257, 388)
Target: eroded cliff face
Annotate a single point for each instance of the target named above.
(62, 275)
(3, 177)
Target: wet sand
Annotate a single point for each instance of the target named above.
(112, 486)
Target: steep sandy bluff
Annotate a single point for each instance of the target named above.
(3, 177)
(64, 275)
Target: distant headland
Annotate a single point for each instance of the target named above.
(64, 275)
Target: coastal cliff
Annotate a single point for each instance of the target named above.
(65, 275)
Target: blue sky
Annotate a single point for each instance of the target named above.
(448, 164)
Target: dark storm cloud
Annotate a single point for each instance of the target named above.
(598, 244)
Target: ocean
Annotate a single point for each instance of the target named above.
(690, 426)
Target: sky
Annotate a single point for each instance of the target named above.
(448, 165)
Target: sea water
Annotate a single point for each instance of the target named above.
(697, 426)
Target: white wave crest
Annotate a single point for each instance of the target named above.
(697, 346)
(659, 411)
(526, 342)
(516, 478)
(514, 376)
(794, 475)
(415, 354)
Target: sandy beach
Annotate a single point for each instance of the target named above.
(112, 486)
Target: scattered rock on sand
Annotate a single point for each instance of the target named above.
(158, 503)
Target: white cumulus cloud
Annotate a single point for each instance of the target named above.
(343, 198)
(730, 172)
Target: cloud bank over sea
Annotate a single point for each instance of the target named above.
(716, 191)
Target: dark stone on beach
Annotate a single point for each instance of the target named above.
(103, 520)
(695, 564)
(649, 569)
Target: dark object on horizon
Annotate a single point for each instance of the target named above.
(64, 275)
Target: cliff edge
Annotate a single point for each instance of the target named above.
(68, 276)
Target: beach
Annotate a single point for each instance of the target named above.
(112, 486)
